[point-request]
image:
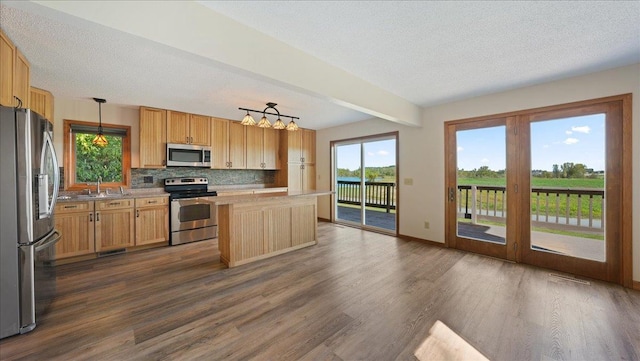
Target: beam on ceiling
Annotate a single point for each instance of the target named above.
(196, 29)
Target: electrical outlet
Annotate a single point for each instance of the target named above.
(148, 179)
(426, 224)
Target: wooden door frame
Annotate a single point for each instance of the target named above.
(625, 267)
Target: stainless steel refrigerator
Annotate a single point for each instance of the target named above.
(29, 181)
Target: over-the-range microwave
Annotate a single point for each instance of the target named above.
(188, 155)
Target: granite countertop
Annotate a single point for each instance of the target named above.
(70, 196)
(222, 200)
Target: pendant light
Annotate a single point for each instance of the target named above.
(99, 139)
(264, 121)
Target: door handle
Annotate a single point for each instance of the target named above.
(452, 195)
(137, 213)
(97, 217)
(90, 217)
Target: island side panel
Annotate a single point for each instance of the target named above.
(250, 231)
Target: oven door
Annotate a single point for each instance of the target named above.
(191, 213)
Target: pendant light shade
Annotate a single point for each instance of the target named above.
(264, 121)
(279, 124)
(292, 126)
(100, 139)
(248, 120)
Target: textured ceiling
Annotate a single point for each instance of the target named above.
(424, 52)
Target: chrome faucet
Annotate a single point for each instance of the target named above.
(98, 183)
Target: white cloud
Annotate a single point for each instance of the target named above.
(460, 149)
(583, 129)
(383, 152)
(484, 160)
(569, 132)
(570, 141)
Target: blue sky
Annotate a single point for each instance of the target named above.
(575, 140)
(377, 154)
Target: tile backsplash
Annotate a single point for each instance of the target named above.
(153, 178)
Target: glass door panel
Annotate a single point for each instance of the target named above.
(481, 191)
(348, 183)
(568, 187)
(380, 183)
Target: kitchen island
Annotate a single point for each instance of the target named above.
(262, 225)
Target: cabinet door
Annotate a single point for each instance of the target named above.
(270, 148)
(152, 225)
(303, 224)
(295, 176)
(294, 140)
(200, 130)
(153, 138)
(177, 127)
(41, 102)
(21, 79)
(114, 229)
(255, 140)
(77, 231)
(308, 149)
(7, 66)
(308, 176)
(219, 143)
(278, 228)
(237, 146)
(249, 230)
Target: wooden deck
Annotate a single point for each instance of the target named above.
(587, 248)
(376, 218)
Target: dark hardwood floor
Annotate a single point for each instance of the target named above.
(357, 295)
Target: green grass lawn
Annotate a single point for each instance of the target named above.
(596, 183)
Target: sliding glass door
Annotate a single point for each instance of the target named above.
(365, 182)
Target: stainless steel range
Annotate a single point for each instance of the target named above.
(192, 211)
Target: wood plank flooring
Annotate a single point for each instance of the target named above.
(357, 295)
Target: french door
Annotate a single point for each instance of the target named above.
(546, 187)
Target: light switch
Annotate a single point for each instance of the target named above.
(408, 181)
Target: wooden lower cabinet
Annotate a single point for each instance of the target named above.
(152, 220)
(75, 221)
(115, 224)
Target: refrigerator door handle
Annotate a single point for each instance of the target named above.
(46, 208)
(48, 241)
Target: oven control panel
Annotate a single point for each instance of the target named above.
(185, 181)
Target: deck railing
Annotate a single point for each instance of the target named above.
(377, 195)
(559, 208)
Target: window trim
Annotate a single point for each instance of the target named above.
(69, 156)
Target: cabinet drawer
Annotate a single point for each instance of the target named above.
(114, 204)
(71, 207)
(151, 202)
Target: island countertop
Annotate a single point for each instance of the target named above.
(242, 198)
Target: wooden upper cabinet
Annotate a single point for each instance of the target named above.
(14, 74)
(153, 138)
(200, 129)
(301, 146)
(271, 145)
(7, 66)
(308, 152)
(177, 127)
(228, 144)
(41, 102)
(22, 78)
(255, 143)
(184, 128)
(219, 143)
(237, 146)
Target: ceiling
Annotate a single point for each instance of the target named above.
(327, 62)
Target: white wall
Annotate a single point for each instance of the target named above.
(422, 149)
(87, 110)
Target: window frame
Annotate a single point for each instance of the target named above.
(69, 155)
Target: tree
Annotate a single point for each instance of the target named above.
(93, 161)
(371, 175)
(556, 171)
